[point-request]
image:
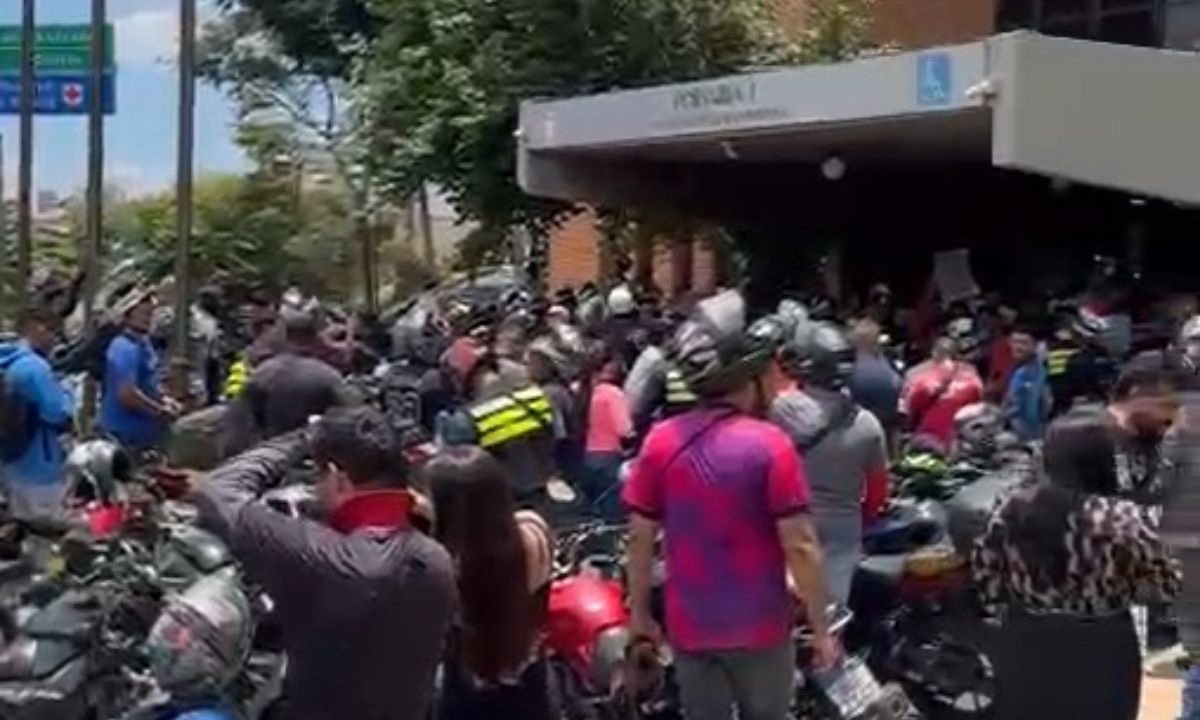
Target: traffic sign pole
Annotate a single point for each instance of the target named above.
(183, 191)
(24, 192)
(95, 190)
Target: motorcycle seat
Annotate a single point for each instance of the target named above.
(886, 570)
(28, 658)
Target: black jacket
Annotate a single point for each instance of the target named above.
(364, 613)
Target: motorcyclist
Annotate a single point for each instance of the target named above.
(654, 387)
(285, 391)
(843, 445)
(364, 601)
(1078, 368)
(506, 414)
(554, 364)
(727, 490)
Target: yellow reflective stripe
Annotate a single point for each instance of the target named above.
(1057, 360)
(512, 431)
(236, 382)
(678, 391)
(514, 413)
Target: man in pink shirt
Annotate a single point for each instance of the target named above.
(727, 490)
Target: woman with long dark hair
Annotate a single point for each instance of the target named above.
(1065, 560)
(494, 665)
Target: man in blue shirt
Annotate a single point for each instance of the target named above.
(34, 479)
(1027, 401)
(133, 410)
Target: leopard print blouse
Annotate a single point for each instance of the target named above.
(1050, 553)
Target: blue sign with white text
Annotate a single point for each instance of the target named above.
(57, 94)
(935, 79)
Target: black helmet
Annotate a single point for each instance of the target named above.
(715, 352)
(820, 355)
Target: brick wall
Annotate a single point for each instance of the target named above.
(574, 256)
(922, 23)
(909, 23)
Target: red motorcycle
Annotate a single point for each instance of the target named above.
(600, 671)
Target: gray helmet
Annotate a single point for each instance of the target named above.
(977, 428)
(558, 352)
(714, 350)
(201, 637)
(1189, 342)
(820, 355)
(1190, 332)
(100, 465)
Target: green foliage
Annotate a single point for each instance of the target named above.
(431, 88)
(835, 30)
(444, 79)
(322, 36)
(252, 230)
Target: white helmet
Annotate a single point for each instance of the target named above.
(620, 301)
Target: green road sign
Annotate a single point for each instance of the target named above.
(58, 49)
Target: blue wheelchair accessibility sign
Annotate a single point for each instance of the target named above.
(934, 79)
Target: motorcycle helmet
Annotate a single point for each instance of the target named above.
(1189, 340)
(620, 301)
(201, 638)
(820, 356)
(976, 429)
(96, 468)
(560, 359)
(714, 351)
(966, 341)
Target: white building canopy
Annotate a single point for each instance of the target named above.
(1111, 116)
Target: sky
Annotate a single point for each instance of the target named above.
(140, 138)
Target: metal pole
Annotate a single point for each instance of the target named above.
(95, 189)
(6, 255)
(183, 189)
(25, 172)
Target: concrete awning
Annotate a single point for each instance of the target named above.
(1111, 116)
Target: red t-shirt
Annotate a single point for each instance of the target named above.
(934, 393)
(719, 481)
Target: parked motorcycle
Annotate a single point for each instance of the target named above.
(601, 671)
(849, 691)
(917, 620)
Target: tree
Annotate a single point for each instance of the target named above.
(322, 37)
(250, 230)
(444, 78)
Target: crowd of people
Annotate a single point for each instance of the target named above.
(751, 455)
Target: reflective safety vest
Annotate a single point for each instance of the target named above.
(679, 394)
(1057, 360)
(235, 381)
(512, 416)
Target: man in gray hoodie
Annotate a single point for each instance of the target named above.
(844, 447)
